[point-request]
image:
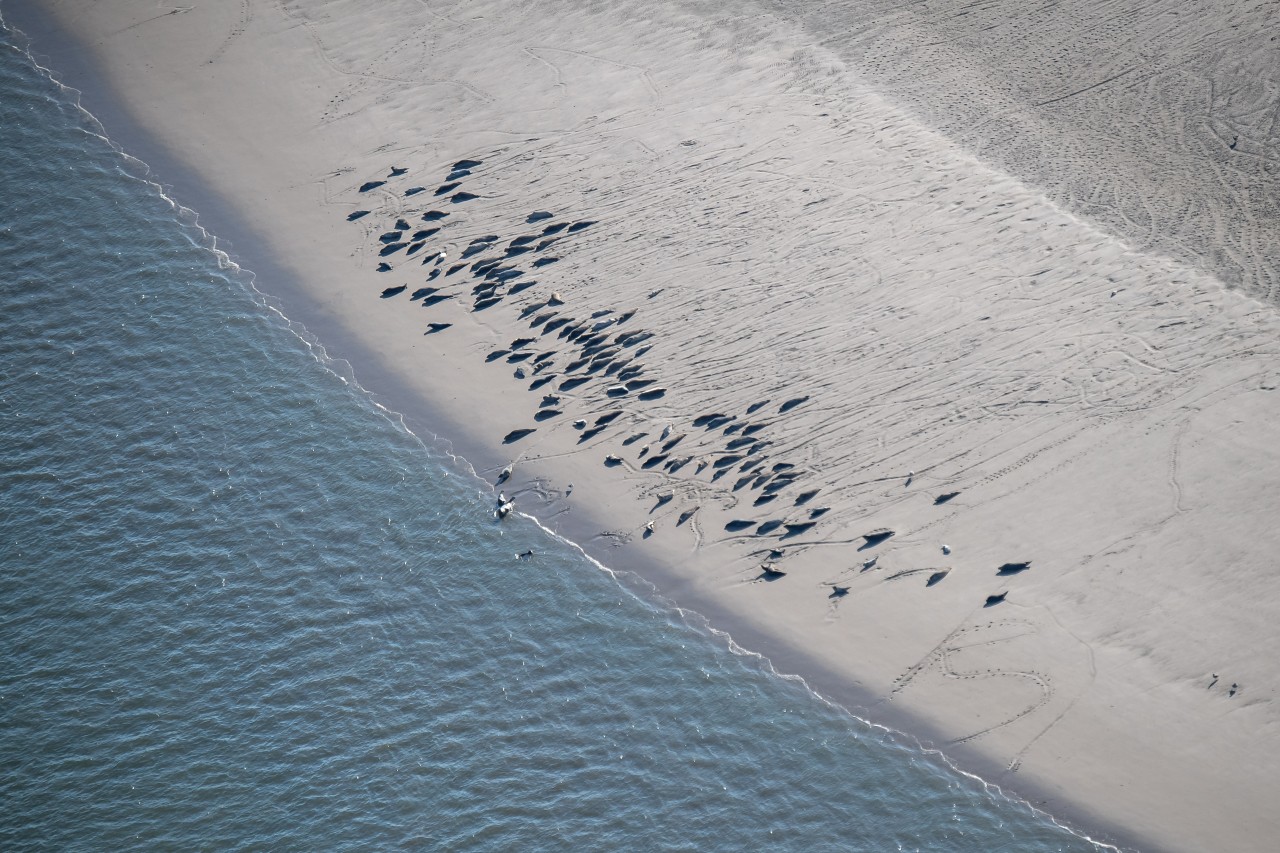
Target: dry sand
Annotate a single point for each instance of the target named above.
(802, 293)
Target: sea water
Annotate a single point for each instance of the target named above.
(242, 607)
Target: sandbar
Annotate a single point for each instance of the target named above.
(862, 349)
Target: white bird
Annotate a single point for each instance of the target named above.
(946, 549)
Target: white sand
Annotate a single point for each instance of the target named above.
(784, 232)
(1156, 119)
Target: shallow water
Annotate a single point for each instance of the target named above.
(243, 608)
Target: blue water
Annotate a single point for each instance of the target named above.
(244, 608)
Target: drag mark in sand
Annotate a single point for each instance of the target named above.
(943, 660)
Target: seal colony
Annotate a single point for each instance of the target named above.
(970, 464)
(585, 356)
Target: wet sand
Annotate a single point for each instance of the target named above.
(752, 321)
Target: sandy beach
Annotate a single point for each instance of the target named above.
(958, 401)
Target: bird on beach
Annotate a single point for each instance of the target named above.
(504, 475)
(769, 573)
(838, 592)
(504, 506)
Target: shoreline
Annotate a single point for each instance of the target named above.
(188, 193)
(785, 650)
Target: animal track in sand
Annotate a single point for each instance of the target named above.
(237, 29)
